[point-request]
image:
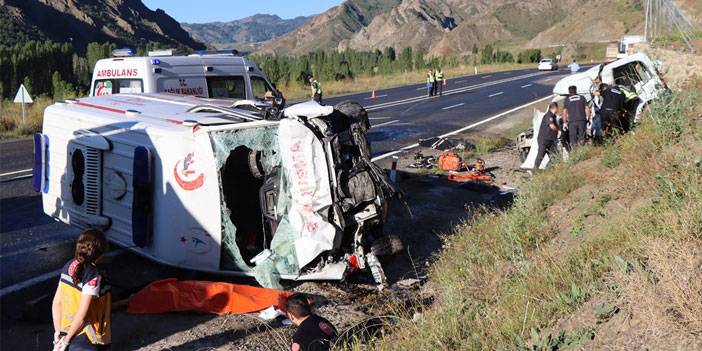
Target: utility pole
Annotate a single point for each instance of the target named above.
(646, 20)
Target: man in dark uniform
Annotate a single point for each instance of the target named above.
(576, 114)
(314, 333)
(548, 132)
(612, 108)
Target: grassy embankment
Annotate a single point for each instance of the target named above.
(297, 92)
(621, 222)
(11, 124)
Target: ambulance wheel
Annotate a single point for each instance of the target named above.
(387, 245)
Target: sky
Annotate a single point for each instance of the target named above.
(201, 11)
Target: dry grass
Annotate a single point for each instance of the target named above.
(11, 124)
(502, 278)
(296, 92)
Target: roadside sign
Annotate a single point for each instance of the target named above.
(23, 97)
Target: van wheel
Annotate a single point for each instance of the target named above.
(523, 153)
(387, 245)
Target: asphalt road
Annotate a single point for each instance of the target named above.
(33, 245)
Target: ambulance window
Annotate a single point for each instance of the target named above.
(116, 86)
(226, 87)
(260, 87)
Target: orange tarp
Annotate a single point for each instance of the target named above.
(171, 295)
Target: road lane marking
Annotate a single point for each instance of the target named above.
(460, 81)
(488, 76)
(450, 92)
(43, 277)
(377, 97)
(15, 178)
(422, 88)
(526, 86)
(16, 172)
(453, 106)
(372, 118)
(385, 123)
(495, 94)
(409, 147)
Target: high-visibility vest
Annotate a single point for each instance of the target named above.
(98, 326)
(431, 78)
(628, 94)
(439, 75)
(317, 87)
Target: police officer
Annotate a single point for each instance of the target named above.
(439, 78)
(576, 114)
(612, 108)
(316, 90)
(314, 333)
(548, 133)
(431, 82)
(631, 106)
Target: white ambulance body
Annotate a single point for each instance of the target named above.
(193, 183)
(208, 74)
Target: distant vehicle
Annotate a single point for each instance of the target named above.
(637, 71)
(193, 183)
(212, 74)
(547, 64)
(627, 42)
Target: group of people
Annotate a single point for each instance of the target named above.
(435, 82)
(81, 308)
(611, 111)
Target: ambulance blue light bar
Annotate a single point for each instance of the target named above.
(124, 52)
(230, 52)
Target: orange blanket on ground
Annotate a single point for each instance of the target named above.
(171, 295)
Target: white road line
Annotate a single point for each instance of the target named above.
(526, 86)
(41, 278)
(15, 178)
(409, 147)
(385, 123)
(372, 118)
(495, 94)
(488, 76)
(422, 88)
(16, 172)
(453, 106)
(460, 81)
(378, 96)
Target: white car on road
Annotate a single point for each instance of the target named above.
(548, 64)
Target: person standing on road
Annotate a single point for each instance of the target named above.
(431, 82)
(314, 333)
(574, 67)
(612, 108)
(576, 114)
(316, 90)
(81, 308)
(439, 78)
(548, 134)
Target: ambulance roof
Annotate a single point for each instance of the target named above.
(210, 60)
(160, 110)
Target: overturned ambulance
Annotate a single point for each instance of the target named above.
(194, 183)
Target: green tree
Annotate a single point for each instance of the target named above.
(487, 54)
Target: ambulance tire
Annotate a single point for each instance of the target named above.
(387, 245)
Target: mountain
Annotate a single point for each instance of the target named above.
(124, 22)
(243, 34)
(446, 27)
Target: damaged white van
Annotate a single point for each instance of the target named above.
(194, 183)
(637, 71)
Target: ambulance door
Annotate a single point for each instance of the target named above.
(259, 88)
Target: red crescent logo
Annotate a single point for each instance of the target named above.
(188, 185)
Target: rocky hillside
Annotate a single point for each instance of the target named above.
(245, 33)
(125, 22)
(454, 26)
